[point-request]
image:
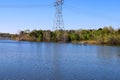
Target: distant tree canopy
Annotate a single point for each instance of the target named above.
(106, 35)
(5, 35)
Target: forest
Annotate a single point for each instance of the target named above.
(106, 35)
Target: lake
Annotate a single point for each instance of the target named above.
(58, 61)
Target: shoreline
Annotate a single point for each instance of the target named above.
(92, 42)
(87, 42)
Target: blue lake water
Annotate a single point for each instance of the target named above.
(58, 61)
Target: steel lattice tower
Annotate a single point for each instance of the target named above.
(58, 23)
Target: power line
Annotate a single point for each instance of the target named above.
(25, 6)
(88, 12)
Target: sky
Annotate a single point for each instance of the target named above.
(17, 15)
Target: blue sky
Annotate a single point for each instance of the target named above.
(16, 15)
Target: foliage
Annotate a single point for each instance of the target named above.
(106, 35)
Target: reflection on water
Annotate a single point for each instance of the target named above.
(109, 52)
(58, 61)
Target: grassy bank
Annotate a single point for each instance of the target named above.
(85, 42)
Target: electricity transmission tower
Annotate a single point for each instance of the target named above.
(58, 23)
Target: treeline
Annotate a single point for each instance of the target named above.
(106, 35)
(5, 36)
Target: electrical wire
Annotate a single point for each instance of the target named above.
(25, 6)
(87, 12)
